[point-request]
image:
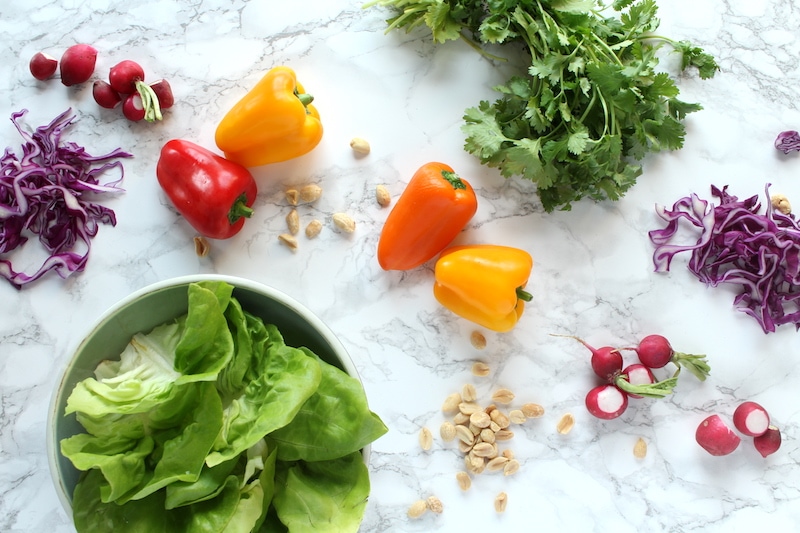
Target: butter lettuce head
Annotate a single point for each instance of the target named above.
(211, 423)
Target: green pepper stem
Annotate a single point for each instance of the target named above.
(524, 295)
(454, 179)
(239, 209)
(304, 98)
(150, 103)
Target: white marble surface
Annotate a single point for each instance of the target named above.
(593, 274)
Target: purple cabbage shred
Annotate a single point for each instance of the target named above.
(759, 253)
(47, 191)
(788, 141)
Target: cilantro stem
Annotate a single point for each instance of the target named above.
(480, 49)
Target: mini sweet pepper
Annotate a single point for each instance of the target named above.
(273, 122)
(484, 283)
(434, 207)
(213, 194)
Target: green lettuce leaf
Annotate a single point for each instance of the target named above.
(90, 514)
(335, 421)
(287, 377)
(322, 497)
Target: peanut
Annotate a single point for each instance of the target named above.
(566, 423)
(313, 228)
(532, 410)
(344, 222)
(382, 196)
(288, 240)
(435, 504)
(447, 431)
(201, 246)
(310, 193)
(500, 502)
(425, 439)
(478, 340)
(417, 509)
(640, 449)
(293, 222)
(464, 481)
(359, 145)
(480, 369)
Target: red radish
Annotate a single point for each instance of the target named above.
(716, 437)
(606, 401)
(127, 77)
(43, 66)
(655, 351)
(768, 442)
(638, 374)
(163, 92)
(124, 75)
(751, 419)
(105, 95)
(606, 361)
(77, 64)
(132, 107)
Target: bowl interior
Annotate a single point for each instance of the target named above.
(151, 307)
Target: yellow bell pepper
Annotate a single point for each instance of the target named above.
(273, 122)
(484, 283)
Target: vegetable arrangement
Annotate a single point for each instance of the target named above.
(609, 399)
(213, 194)
(433, 209)
(738, 245)
(751, 419)
(46, 191)
(591, 104)
(212, 423)
(125, 86)
(275, 121)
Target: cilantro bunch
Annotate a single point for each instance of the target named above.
(591, 105)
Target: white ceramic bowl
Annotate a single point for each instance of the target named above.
(152, 306)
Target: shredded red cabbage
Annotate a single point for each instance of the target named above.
(737, 245)
(788, 141)
(46, 191)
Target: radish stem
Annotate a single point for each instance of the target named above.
(659, 389)
(152, 109)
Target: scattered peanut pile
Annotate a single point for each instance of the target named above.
(479, 431)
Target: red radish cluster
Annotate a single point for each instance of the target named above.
(77, 65)
(126, 86)
(609, 399)
(751, 419)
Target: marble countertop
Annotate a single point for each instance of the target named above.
(593, 275)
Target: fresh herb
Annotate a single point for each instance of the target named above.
(591, 104)
(212, 423)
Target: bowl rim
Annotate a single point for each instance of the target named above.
(53, 448)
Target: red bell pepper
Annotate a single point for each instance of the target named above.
(213, 194)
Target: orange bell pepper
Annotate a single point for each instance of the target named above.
(273, 122)
(434, 207)
(484, 284)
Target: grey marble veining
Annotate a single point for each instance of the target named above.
(593, 274)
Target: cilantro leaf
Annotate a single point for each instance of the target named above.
(591, 105)
(696, 57)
